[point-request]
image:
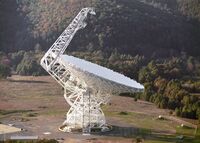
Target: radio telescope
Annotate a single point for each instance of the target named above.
(86, 85)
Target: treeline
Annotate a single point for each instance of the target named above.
(28, 63)
(5, 70)
(173, 84)
(21, 63)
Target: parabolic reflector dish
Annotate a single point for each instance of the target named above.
(101, 79)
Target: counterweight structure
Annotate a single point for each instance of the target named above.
(84, 90)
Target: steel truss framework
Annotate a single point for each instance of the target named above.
(85, 111)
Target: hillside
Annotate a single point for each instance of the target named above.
(154, 28)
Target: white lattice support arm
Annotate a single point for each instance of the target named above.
(65, 38)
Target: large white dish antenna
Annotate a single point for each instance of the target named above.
(100, 78)
(101, 72)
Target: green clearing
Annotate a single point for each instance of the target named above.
(147, 125)
(141, 120)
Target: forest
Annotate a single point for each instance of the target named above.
(155, 42)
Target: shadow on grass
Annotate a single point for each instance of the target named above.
(28, 81)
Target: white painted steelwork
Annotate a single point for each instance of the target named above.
(86, 85)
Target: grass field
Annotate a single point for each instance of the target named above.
(37, 105)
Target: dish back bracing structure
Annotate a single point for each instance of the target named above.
(86, 85)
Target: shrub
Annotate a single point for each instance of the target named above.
(123, 113)
(16, 58)
(177, 112)
(135, 99)
(4, 71)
